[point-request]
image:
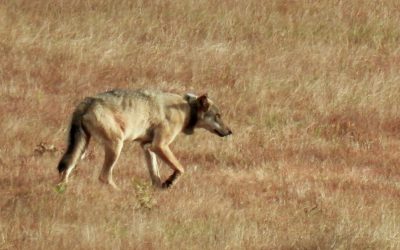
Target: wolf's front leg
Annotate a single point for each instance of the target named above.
(168, 157)
(171, 180)
(152, 165)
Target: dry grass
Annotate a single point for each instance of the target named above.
(311, 90)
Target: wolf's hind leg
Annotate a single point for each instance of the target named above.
(112, 151)
(151, 161)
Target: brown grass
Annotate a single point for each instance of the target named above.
(311, 90)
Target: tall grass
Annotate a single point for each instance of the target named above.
(311, 90)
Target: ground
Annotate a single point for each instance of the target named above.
(311, 90)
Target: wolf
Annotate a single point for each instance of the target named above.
(152, 118)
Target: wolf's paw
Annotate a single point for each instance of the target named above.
(167, 184)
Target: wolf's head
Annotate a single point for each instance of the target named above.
(206, 115)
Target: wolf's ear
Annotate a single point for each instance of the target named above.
(190, 96)
(204, 103)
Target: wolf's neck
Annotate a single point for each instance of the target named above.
(192, 116)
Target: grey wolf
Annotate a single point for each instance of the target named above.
(152, 118)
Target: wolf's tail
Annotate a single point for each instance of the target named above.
(78, 140)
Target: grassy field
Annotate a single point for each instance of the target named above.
(311, 90)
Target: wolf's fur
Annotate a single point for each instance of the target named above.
(152, 118)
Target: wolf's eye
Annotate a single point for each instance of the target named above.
(218, 116)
